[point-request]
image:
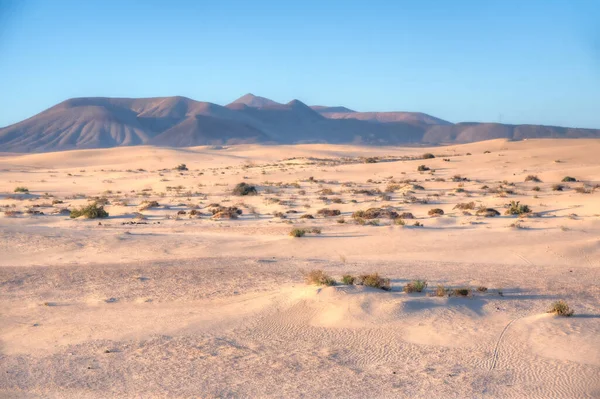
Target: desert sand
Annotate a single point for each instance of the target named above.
(156, 302)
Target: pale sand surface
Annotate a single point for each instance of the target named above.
(195, 307)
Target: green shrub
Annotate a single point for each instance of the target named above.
(92, 211)
(415, 286)
(244, 189)
(319, 277)
(561, 308)
(181, 167)
(21, 190)
(569, 179)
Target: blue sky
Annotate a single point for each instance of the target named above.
(534, 61)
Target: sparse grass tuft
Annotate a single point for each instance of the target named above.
(348, 279)
(461, 292)
(533, 178)
(297, 233)
(422, 168)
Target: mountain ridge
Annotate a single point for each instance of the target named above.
(105, 122)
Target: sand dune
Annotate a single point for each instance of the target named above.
(155, 301)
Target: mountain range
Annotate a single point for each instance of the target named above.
(98, 122)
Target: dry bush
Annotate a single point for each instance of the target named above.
(533, 178)
(297, 233)
(465, 205)
(21, 190)
(149, 204)
(307, 216)
(374, 280)
(515, 208)
(422, 168)
(319, 277)
(376, 213)
(435, 212)
(561, 308)
(244, 189)
(348, 279)
(415, 286)
(558, 187)
(461, 292)
(583, 190)
(329, 212)
(440, 290)
(569, 179)
(428, 155)
(487, 212)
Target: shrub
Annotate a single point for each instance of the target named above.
(435, 212)
(440, 290)
(561, 308)
(297, 232)
(465, 205)
(181, 167)
(461, 291)
(222, 212)
(370, 160)
(374, 280)
(487, 212)
(583, 190)
(533, 178)
(482, 288)
(515, 208)
(92, 211)
(568, 179)
(422, 168)
(21, 190)
(329, 212)
(406, 215)
(348, 279)
(326, 191)
(149, 204)
(415, 286)
(319, 277)
(558, 187)
(428, 155)
(399, 222)
(307, 216)
(244, 189)
(375, 213)
(536, 188)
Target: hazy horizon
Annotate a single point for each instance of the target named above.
(508, 62)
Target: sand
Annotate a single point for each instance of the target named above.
(182, 306)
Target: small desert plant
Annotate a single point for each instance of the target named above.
(181, 167)
(422, 168)
(374, 280)
(558, 187)
(568, 179)
(21, 190)
(92, 211)
(415, 286)
(399, 222)
(307, 216)
(533, 178)
(428, 155)
(149, 204)
(515, 208)
(487, 212)
(536, 188)
(461, 291)
(561, 308)
(482, 288)
(244, 189)
(583, 190)
(435, 212)
(319, 277)
(297, 233)
(348, 279)
(465, 205)
(440, 290)
(328, 212)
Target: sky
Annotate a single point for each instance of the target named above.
(534, 61)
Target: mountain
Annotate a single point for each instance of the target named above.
(99, 122)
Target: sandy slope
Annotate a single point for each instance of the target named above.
(194, 307)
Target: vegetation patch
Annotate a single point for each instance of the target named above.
(91, 211)
(374, 280)
(561, 308)
(244, 189)
(319, 277)
(516, 208)
(415, 286)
